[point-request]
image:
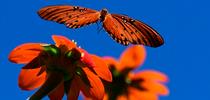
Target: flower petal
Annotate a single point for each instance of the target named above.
(143, 96)
(132, 57)
(135, 94)
(54, 79)
(25, 53)
(155, 87)
(105, 97)
(96, 88)
(122, 97)
(57, 93)
(35, 63)
(150, 75)
(28, 79)
(73, 90)
(101, 68)
(111, 62)
(61, 40)
(86, 58)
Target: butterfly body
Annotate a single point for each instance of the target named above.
(121, 28)
(103, 13)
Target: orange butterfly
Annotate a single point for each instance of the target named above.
(121, 28)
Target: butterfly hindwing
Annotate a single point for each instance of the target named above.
(130, 30)
(139, 31)
(115, 30)
(71, 16)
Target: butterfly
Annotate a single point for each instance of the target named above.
(121, 28)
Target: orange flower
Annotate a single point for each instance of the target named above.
(60, 68)
(126, 85)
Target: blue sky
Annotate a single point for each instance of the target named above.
(184, 24)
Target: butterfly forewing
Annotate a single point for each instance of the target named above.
(139, 31)
(71, 16)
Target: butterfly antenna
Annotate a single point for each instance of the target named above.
(101, 29)
(98, 27)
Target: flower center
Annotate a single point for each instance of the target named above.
(61, 60)
(120, 84)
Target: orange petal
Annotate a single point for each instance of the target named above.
(135, 94)
(28, 79)
(155, 87)
(35, 63)
(101, 68)
(143, 96)
(61, 40)
(148, 96)
(74, 90)
(151, 75)
(54, 79)
(132, 57)
(96, 88)
(86, 98)
(25, 53)
(57, 93)
(86, 58)
(122, 97)
(110, 61)
(85, 89)
(105, 97)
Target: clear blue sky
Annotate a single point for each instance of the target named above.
(184, 24)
